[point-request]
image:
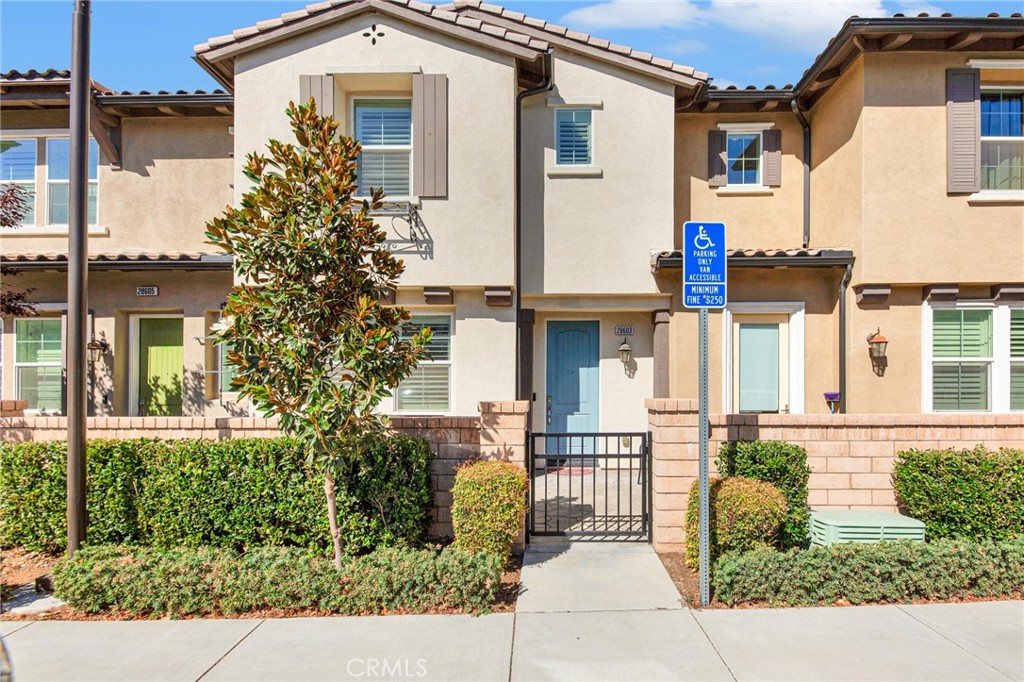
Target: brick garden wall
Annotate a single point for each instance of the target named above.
(850, 456)
(498, 433)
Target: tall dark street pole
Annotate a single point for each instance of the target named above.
(78, 274)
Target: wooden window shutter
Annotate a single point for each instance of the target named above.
(771, 158)
(716, 158)
(963, 130)
(430, 135)
(321, 89)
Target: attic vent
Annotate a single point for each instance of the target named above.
(834, 526)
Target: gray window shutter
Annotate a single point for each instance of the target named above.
(430, 135)
(716, 158)
(321, 89)
(963, 130)
(771, 158)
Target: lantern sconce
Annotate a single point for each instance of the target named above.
(97, 349)
(877, 345)
(625, 352)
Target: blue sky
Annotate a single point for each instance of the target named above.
(148, 45)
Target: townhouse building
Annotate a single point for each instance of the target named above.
(537, 179)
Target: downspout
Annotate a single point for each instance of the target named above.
(843, 284)
(795, 106)
(545, 86)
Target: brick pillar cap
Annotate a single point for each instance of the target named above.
(686, 405)
(505, 407)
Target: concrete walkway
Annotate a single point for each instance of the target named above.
(587, 612)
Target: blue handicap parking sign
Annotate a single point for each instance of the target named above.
(704, 266)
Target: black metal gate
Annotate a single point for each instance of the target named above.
(590, 486)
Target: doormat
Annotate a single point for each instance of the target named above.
(570, 471)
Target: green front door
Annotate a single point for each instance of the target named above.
(161, 366)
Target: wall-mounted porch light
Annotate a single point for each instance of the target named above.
(877, 345)
(625, 352)
(97, 349)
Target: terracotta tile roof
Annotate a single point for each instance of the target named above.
(673, 259)
(58, 77)
(127, 257)
(142, 93)
(489, 20)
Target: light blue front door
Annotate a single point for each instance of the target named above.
(573, 381)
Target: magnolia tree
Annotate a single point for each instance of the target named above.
(306, 331)
(14, 206)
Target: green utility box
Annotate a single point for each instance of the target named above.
(833, 526)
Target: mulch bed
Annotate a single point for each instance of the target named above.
(686, 581)
(19, 567)
(31, 563)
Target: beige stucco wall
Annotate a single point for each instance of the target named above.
(905, 201)
(471, 231)
(483, 347)
(754, 221)
(175, 176)
(817, 289)
(112, 300)
(623, 388)
(594, 234)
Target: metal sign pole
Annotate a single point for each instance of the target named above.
(705, 285)
(705, 507)
(78, 273)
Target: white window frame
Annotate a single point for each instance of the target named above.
(997, 195)
(999, 363)
(450, 362)
(575, 170)
(41, 226)
(133, 357)
(33, 182)
(745, 129)
(795, 310)
(47, 182)
(63, 355)
(356, 97)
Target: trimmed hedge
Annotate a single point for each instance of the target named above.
(228, 493)
(488, 504)
(744, 513)
(974, 494)
(182, 582)
(782, 464)
(875, 572)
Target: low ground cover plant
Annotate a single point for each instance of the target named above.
(782, 464)
(744, 514)
(488, 504)
(875, 572)
(235, 494)
(976, 494)
(151, 582)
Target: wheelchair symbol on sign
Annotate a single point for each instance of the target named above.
(702, 240)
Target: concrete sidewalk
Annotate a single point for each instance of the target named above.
(587, 612)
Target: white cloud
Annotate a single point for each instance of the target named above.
(633, 14)
(915, 7)
(802, 25)
(686, 46)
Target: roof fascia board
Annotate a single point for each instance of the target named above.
(168, 99)
(119, 265)
(595, 53)
(411, 16)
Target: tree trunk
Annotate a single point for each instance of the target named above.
(332, 517)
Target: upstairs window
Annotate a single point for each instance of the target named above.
(384, 129)
(574, 131)
(1002, 138)
(428, 388)
(743, 158)
(58, 170)
(18, 167)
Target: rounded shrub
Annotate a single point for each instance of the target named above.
(782, 464)
(488, 504)
(973, 494)
(744, 514)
